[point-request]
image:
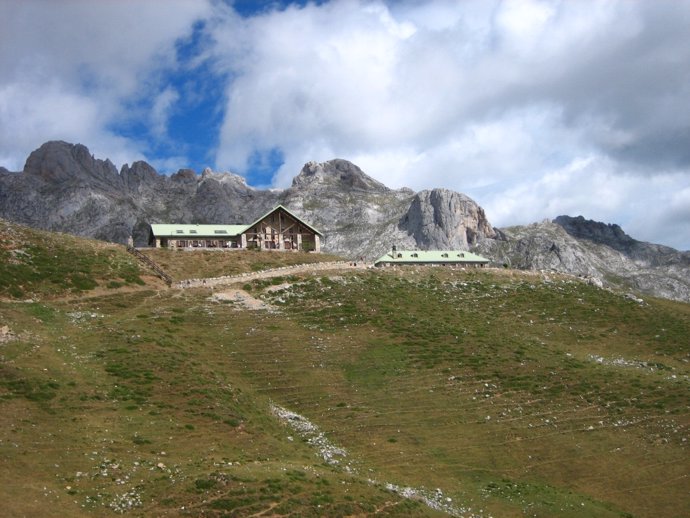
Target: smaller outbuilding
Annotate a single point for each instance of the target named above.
(431, 257)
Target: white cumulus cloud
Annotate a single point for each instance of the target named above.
(533, 107)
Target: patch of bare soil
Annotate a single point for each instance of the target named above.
(241, 299)
(6, 334)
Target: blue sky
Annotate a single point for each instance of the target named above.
(534, 108)
(192, 112)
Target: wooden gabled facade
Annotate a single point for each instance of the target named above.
(278, 229)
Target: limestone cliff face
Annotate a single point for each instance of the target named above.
(64, 188)
(336, 173)
(58, 164)
(447, 220)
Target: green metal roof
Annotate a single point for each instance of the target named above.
(192, 231)
(430, 256)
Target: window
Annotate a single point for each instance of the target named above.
(192, 231)
(220, 231)
(444, 255)
(415, 254)
(179, 232)
(400, 255)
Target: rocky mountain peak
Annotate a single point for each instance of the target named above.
(603, 233)
(184, 176)
(336, 172)
(612, 236)
(58, 161)
(225, 178)
(138, 175)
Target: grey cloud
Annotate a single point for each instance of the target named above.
(637, 83)
(630, 74)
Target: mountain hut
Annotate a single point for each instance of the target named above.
(278, 229)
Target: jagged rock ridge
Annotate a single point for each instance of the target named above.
(64, 188)
(601, 252)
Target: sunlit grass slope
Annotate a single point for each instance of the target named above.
(517, 394)
(139, 403)
(38, 263)
(503, 394)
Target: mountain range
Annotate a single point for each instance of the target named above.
(64, 188)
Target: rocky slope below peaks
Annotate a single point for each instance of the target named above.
(598, 251)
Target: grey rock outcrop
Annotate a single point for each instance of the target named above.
(611, 235)
(63, 165)
(64, 188)
(358, 215)
(601, 252)
(138, 177)
(339, 173)
(447, 220)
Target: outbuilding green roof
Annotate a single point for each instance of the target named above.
(431, 256)
(192, 231)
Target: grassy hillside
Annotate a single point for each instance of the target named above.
(35, 263)
(180, 264)
(479, 393)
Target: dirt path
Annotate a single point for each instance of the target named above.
(267, 274)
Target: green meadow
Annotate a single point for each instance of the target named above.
(399, 392)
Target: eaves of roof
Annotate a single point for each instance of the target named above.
(258, 220)
(192, 231)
